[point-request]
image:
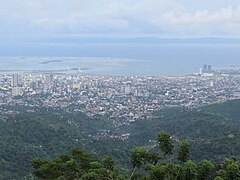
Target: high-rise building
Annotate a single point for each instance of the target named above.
(48, 81)
(16, 91)
(209, 67)
(15, 80)
(211, 84)
(200, 71)
(33, 85)
(205, 67)
(122, 89)
(127, 89)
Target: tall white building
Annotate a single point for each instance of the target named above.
(48, 82)
(16, 91)
(15, 80)
(127, 89)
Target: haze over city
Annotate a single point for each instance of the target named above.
(120, 89)
(145, 29)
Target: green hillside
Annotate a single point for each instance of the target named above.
(213, 131)
(44, 133)
(229, 109)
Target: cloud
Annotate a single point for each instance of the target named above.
(176, 17)
(199, 22)
(223, 21)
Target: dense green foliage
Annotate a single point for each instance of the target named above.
(212, 135)
(46, 133)
(80, 165)
(184, 151)
(213, 132)
(165, 143)
(74, 166)
(229, 110)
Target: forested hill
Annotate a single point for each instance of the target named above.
(212, 130)
(229, 110)
(44, 133)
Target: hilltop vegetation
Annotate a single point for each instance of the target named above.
(44, 133)
(164, 164)
(213, 132)
(229, 110)
(212, 136)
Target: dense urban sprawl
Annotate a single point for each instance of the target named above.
(122, 99)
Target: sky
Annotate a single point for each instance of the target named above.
(120, 18)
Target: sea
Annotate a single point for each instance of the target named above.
(118, 59)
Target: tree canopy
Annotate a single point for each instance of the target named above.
(146, 165)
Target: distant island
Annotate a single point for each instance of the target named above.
(51, 61)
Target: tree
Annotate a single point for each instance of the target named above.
(77, 165)
(230, 170)
(139, 157)
(184, 151)
(165, 171)
(165, 143)
(189, 170)
(205, 170)
(80, 165)
(108, 163)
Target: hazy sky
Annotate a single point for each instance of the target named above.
(164, 18)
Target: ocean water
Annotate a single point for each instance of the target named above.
(119, 59)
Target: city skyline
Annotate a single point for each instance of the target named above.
(124, 99)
